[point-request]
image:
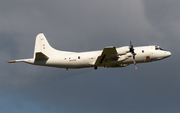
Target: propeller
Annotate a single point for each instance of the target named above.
(131, 49)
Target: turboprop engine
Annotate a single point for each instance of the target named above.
(123, 50)
(124, 57)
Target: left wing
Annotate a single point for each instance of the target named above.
(108, 54)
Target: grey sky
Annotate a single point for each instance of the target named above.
(86, 25)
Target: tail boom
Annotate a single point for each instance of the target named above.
(30, 61)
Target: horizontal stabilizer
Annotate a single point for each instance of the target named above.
(41, 56)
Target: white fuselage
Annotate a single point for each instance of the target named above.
(87, 59)
(112, 57)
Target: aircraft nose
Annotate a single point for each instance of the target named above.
(167, 54)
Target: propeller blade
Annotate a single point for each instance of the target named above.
(131, 45)
(133, 54)
(135, 63)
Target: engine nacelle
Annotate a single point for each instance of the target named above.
(124, 57)
(123, 50)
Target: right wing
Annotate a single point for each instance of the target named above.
(108, 54)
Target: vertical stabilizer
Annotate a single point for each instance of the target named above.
(42, 46)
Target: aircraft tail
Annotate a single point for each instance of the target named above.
(42, 48)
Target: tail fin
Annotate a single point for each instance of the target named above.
(42, 46)
(42, 50)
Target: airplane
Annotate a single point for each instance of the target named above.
(110, 57)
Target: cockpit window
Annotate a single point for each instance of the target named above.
(158, 48)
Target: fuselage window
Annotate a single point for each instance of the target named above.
(142, 51)
(79, 57)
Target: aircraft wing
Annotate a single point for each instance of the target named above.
(108, 54)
